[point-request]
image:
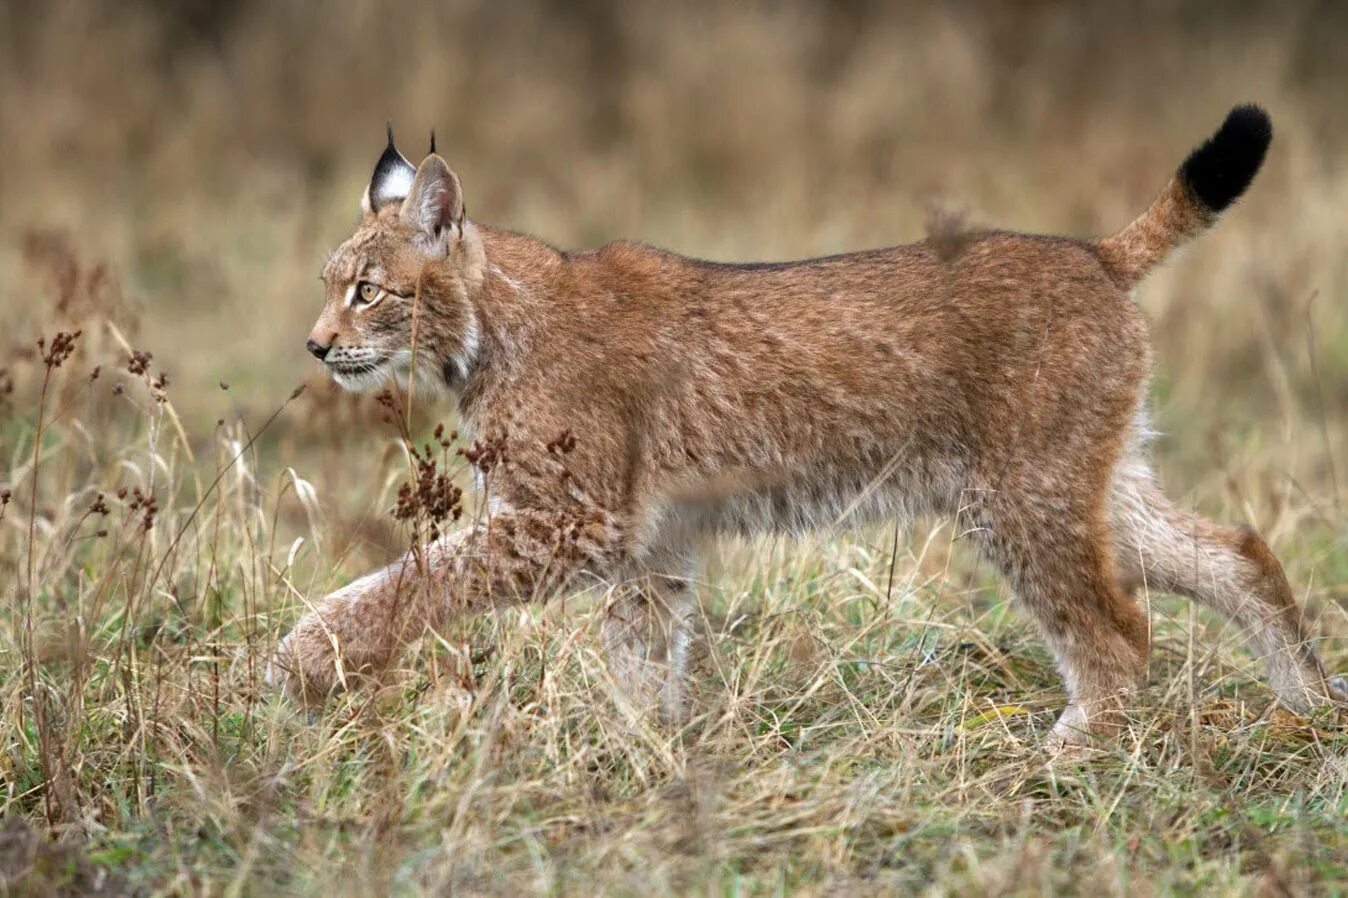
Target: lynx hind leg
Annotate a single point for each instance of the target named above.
(1057, 558)
(649, 633)
(1227, 569)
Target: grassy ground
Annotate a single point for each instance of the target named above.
(870, 707)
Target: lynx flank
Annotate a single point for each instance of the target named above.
(995, 377)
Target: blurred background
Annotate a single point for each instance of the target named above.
(198, 160)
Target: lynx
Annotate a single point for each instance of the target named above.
(991, 376)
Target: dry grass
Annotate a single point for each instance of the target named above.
(868, 720)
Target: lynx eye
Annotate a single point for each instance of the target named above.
(367, 293)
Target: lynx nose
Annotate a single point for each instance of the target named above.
(319, 351)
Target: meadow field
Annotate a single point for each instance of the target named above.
(178, 482)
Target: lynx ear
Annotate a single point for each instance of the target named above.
(435, 202)
(391, 181)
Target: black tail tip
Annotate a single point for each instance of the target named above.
(1219, 171)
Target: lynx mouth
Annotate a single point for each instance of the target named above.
(353, 370)
(359, 377)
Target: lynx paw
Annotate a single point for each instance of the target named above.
(1077, 733)
(1069, 735)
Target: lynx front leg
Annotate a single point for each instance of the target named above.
(649, 633)
(354, 632)
(515, 555)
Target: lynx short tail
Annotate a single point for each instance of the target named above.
(1211, 179)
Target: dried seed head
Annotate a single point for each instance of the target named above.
(488, 453)
(61, 348)
(149, 508)
(139, 363)
(429, 498)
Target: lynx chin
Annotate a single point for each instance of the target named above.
(995, 377)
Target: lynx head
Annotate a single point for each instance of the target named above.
(399, 291)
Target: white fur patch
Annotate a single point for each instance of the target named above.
(509, 281)
(462, 361)
(394, 187)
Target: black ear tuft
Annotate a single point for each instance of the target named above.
(1218, 172)
(392, 177)
(432, 140)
